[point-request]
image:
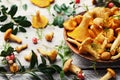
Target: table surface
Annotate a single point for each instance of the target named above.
(85, 65)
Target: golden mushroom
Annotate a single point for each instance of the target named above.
(9, 36)
(39, 21)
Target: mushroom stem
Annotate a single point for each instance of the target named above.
(110, 73)
(116, 43)
(9, 35)
(74, 42)
(20, 48)
(68, 66)
(75, 69)
(115, 57)
(15, 38)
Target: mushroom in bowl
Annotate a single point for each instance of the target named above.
(94, 35)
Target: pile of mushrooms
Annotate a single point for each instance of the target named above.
(96, 33)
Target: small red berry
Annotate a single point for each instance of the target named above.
(110, 5)
(7, 58)
(35, 40)
(77, 1)
(12, 57)
(80, 76)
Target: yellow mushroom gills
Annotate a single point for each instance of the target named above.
(39, 21)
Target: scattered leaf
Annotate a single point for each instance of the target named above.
(58, 21)
(6, 26)
(13, 10)
(3, 18)
(24, 6)
(34, 60)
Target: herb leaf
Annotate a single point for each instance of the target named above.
(34, 60)
(34, 75)
(57, 8)
(24, 7)
(13, 10)
(3, 18)
(25, 23)
(22, 29)
(58, 21)
(6, 26)
(15, 31)
(43, 60)
(7, 52)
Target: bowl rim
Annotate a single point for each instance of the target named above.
(75, 50)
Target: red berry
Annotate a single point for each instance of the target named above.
(77, 1)
(110, 5)
(12, 57)
(7, 58)
(35, 40)
(80, 76)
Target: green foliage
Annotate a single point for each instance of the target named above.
(17, 23)
(25, 7)
(34, 60)
(8, 50)
(13, 10)
(105, 2)
(62, 11)
(63, 51)
(58, 21)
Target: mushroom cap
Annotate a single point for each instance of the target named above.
(39, 21)
(41, 3)
(105, 56)
(67, 65)
(7, 34)
(111, 71)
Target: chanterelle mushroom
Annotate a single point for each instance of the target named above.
(39, 21)
(81, 32)
(68, 66)
(110, 73)
(86, 47)
(9, 36)
(51, 54)
(116, 43)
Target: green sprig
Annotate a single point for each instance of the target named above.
(17, 23)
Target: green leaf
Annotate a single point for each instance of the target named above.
(36, 77)
(4, 9)
(62, 75)
(6, 26)
(9, 51)
(43, 60)
(69, 11)
(13, 10)
(57, 8)
(19, 18)
(3, 18)
(63, 6)
(57, 68)
(24, 7)
(25, 23)
(22, 29)
(34, 60)
(15, 31)
(58, 21)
